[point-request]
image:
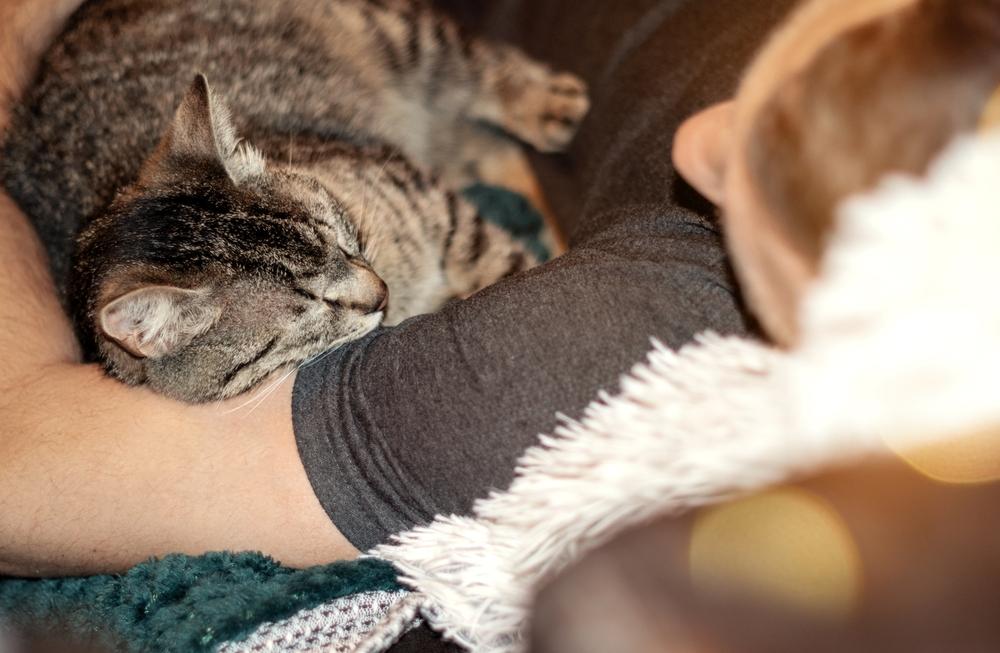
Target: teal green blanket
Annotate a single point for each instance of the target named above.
(183, 603)
(192, 604)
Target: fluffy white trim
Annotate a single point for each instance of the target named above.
(901, 336)
(902, 331)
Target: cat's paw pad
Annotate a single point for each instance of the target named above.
(560, 104)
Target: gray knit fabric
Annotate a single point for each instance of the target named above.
(339, 626)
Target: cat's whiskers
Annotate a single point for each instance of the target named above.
(272, 389)
(370, 225)
(318, 357)
(261, 395)
(369, 186)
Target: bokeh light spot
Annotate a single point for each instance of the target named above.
(787, 547)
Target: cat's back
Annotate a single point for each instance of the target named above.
(108, 88)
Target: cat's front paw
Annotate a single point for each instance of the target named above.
(551, 111)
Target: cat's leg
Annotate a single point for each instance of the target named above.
(456, 100)
(526, 98)
(448, 75)
(476, 252)
(493, 159)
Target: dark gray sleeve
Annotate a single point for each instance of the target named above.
(428, 416)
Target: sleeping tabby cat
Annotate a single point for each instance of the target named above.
(198, 263)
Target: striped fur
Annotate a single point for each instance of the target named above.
(360, 118)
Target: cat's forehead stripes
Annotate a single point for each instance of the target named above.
(324, 211)
(212, 228)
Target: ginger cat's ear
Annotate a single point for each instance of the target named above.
(202, 133)
(154, 321)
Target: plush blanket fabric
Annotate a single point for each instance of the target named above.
(182, 603)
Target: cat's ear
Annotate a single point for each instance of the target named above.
(154, 321)
(202, 133)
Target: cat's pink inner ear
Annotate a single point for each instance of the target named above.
(154, 321)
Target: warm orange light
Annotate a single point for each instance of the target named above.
(990, 118)
(786, 546)
(973, 457)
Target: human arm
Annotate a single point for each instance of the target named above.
(96, 476)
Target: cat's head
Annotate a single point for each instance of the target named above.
(215, 268)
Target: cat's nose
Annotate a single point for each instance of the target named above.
(384, 302)
(372, 293)
(375, 299)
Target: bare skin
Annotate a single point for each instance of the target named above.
(96, 476)
(709, 151)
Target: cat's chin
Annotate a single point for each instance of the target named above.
(265, 387)
(365, 325)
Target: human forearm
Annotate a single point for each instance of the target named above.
(97, 476)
